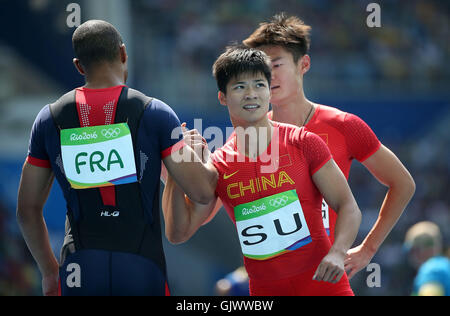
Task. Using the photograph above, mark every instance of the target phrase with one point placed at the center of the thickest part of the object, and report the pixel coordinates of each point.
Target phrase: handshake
(197, 142)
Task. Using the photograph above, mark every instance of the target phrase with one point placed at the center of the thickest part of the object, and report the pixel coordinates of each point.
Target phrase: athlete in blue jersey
(424, 241)
(104, 143)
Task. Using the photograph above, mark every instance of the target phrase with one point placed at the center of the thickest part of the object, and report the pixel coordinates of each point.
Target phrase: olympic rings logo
(111, 133)
(279, 201)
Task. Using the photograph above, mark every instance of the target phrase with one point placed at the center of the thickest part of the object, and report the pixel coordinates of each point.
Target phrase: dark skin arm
(34, 188)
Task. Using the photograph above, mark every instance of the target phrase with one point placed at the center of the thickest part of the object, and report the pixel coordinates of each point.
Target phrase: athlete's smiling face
(247, 98)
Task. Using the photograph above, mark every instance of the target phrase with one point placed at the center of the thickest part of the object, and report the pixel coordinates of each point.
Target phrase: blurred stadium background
(396, 78)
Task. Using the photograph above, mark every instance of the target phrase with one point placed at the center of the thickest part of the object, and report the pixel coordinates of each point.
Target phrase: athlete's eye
(260, 85)
(277, 65)
(238, 87)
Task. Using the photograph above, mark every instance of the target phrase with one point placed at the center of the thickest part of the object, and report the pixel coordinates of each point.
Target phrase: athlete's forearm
(34, 188)
(197, 179)
(36, 237)
(394, 204)
(183, 217)
(389, 171)
(347, 226)
(175, 210)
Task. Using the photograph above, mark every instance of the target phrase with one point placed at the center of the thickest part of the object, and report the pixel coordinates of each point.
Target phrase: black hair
(237, 60)
(286, 31)
(96, 41)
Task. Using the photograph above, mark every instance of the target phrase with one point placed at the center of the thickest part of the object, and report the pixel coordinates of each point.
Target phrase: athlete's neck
(296, 111)
(253, 139)
(105, 76)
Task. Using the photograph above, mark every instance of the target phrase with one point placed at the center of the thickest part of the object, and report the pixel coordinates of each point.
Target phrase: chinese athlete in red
(286, 40)
(274, 194)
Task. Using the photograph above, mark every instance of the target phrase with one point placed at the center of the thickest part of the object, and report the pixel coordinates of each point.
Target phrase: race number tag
(98, 156)
(326, 216)
(271, 226)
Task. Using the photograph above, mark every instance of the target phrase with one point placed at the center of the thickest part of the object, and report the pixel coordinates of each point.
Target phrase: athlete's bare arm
(194, 177)
(182, 216)
(34, 189)
(332, 184)
(216, 208)
(388, 170)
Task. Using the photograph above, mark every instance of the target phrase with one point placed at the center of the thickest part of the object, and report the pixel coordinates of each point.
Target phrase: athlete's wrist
(369, 248)
(51, 269)
(338, 251)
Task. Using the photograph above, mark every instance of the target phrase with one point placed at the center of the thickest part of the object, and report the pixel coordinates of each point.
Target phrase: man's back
(104, 143)
(114, 220)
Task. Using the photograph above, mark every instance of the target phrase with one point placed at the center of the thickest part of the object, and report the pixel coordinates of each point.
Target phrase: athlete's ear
(123, 54)
(78, 66)
(304, 64)
(222, 98)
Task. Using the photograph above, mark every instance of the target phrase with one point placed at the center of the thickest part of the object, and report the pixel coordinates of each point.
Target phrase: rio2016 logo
(254, 209)
(83, 136)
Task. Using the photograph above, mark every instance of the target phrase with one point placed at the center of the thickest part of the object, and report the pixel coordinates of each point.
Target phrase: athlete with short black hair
(272, 177)
(286, 39)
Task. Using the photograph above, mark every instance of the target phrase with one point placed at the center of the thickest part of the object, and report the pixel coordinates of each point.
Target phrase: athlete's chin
(280, 102)
(276, 100)
(250, 120)
(276, 103)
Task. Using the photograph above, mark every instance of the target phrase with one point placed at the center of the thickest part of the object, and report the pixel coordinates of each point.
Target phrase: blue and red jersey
(137, 265)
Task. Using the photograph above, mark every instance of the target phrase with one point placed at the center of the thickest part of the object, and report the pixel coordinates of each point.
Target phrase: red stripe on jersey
(59, 287)
(169, 151)
(167, 290)
(38, 162)
(98, 107)
(108, 195)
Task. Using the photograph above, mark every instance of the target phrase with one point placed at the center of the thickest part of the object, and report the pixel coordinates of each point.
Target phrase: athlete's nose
(251, 94)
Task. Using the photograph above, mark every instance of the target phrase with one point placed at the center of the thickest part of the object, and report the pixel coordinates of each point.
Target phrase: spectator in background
(233, 284)
(424, 241)
(17, 273)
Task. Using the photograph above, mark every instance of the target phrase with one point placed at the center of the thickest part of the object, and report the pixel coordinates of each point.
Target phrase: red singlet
(348, 137)
(276, 208)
